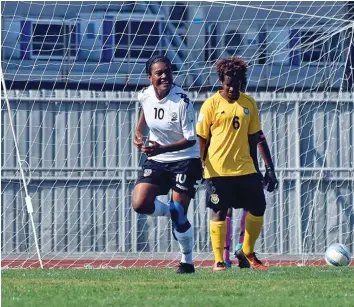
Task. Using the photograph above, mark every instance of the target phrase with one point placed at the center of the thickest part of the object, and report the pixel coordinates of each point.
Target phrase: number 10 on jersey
(159, 113)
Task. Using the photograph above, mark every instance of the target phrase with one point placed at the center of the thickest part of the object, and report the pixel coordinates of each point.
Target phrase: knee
(138, 206)
(142, 204)
(218, 215)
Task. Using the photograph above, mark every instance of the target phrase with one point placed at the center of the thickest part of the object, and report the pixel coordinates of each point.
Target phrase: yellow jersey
(226, 127)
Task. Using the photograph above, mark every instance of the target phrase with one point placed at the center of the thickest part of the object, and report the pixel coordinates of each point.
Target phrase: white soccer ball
(338, 255)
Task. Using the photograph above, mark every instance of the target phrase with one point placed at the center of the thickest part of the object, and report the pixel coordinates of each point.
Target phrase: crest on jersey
(147, 172)
(173, 116)
(214, 198)
(246, 111)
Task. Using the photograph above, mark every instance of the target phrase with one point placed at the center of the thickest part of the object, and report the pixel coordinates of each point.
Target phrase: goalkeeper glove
(270, 179)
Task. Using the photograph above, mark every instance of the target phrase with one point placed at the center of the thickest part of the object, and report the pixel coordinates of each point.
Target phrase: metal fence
(80, 165)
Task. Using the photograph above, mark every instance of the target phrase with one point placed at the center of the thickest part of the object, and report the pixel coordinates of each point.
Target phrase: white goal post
(70, 73)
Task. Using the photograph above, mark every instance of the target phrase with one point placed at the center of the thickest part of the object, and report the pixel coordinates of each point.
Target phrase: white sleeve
(140, 93)
(188, 121)
(143, 95)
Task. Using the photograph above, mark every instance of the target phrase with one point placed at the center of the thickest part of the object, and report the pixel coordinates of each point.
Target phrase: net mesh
(71, 72)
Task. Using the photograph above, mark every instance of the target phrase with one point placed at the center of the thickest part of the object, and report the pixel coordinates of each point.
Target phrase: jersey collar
(219, 93)
(163, 100)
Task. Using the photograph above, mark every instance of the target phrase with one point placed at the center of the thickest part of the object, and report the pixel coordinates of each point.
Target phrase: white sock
(161, 209)
(185, 241)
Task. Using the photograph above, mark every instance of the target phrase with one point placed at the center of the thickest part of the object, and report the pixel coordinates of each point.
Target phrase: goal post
(71, 72)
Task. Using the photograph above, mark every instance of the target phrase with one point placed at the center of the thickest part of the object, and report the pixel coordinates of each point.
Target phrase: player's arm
(203, 129)
(270, 178)
(256, 136)
(203, 148)
(138, 136)
(155, 148)
(252, 140)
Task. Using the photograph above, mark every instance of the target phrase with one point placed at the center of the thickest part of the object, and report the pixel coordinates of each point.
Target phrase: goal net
(70, 73)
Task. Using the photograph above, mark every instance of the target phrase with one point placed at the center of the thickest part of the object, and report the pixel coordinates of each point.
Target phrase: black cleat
(185, 268)
(219, 267)
(242, 260)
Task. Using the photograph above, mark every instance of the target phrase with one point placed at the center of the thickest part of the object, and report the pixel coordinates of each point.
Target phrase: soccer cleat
(228, 264)
(242, 260)
(185, 268)
(255, 263)
(219, 267)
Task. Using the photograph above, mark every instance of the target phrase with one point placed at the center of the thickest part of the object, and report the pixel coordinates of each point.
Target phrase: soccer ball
(338, 255)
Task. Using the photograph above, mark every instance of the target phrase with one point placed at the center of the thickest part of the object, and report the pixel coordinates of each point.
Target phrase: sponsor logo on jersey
(181, 187)
(214, 198)
(147, 172)
(173, 116)
(246, 111)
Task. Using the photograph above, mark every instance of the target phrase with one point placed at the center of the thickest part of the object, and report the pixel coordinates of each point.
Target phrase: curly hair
(233, 67)
(156, 59)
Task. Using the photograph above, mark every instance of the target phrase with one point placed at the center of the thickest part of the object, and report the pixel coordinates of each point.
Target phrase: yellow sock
(253, 227)
(218, 236)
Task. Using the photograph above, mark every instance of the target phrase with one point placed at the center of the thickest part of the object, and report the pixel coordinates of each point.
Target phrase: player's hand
(270, 180)
(138, 140)
(153, 149)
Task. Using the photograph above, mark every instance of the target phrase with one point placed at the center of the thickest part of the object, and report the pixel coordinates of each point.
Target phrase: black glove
(270, 180)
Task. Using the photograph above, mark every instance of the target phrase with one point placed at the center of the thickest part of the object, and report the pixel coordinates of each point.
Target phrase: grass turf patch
(287, 286)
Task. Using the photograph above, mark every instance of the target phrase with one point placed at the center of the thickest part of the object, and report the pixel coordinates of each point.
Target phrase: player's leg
(184, 178)
(218, 236)
(254, 219)
(242, 230)
(182, 230)
(242, 260)
(228, 239)
(150, 184)
(217, 200)
(144, 200)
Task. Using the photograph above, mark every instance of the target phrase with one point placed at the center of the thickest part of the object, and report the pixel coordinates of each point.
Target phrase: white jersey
(170, 120)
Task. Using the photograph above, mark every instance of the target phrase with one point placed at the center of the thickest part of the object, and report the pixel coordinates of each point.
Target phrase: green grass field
(286, 286)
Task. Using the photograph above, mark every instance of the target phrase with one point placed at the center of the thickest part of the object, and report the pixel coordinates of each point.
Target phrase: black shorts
(180, 176)
(236, 192)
